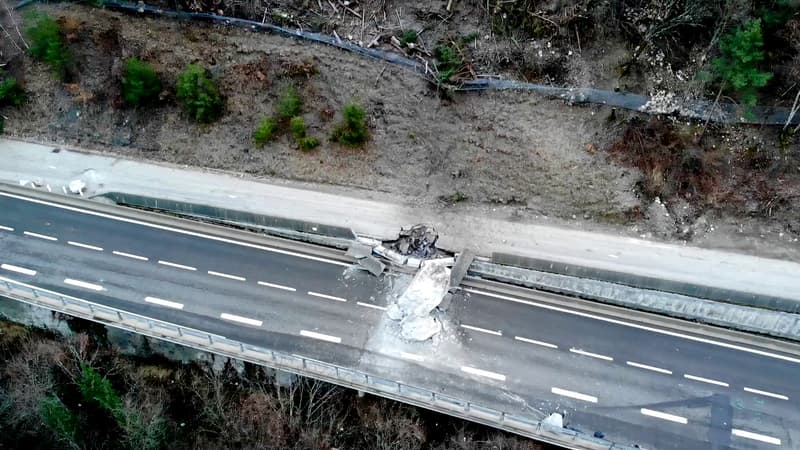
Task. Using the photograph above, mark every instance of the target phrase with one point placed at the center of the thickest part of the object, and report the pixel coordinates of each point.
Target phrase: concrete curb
(776, 324)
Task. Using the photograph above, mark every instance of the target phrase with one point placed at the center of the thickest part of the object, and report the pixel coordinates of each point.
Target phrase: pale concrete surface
(24, 161)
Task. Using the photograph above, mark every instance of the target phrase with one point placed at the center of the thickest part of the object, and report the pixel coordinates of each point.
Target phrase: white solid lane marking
(766, 393)
(329, 297)
(756, 436)
(591, 355)
(277, 286)
(483, 373)
(638, 327)
(6, 228)
(162, 302)
(18, 269)
(664, 416)
(225, 275)
(531, 341)
(240, 319)
(177, 266)
(705, 380)
(369, 305)
(412, 356)
(651, 368)
(86, 246)
(40, 236)
(320, 336)
(175, 230)
(84, 284)
(482, 330)
(573, 394)
(130, 255)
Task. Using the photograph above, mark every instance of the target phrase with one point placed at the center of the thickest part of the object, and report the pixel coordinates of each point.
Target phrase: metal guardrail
(300, 365)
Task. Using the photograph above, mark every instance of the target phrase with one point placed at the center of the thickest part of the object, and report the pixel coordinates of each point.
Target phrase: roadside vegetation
(140, 83)
(199, 95)
(76, 393)
(352, 130)
(47, 44)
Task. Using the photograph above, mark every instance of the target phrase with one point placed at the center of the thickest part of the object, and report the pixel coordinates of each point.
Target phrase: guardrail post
(180, 332)
(399, 388)
(304, 363)
(91, 308)
(63, 301)
(466, 407)
(35, 294)
(210, 340)
(119, 316)
(8, 285)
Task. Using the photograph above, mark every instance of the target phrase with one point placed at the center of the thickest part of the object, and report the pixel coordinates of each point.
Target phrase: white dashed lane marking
(162, 302)
(320, 336)
(705, 380)
(277, 286)
(240, 319)
(18, 269)
(756, 437)
(664, 416)
(766, 393)
(130, 255)
(86, 246)
(535, 342)
(412, 356)
(327, 297)
(650, 368)
(225, 275)
(573, 394)
(482, 330)
(483, 373)
(4, 228)
(84, 284)
(370, 305)
(175, 265)
(40, 236)
(578, 351)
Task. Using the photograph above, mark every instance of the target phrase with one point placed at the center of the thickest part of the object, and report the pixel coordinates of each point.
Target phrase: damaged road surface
(513, 350)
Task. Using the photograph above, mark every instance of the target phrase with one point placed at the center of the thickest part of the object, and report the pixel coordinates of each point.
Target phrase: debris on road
(77, 187)
(415, 306)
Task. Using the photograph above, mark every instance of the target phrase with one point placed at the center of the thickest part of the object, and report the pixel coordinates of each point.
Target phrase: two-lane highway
(519, 351)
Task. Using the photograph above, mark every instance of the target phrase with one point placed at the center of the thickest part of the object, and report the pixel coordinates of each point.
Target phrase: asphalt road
(530, 352)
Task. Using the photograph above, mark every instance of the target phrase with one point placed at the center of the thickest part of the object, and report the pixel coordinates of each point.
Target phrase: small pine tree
(265, 131)
(140, 83)
(47, 44)
(199, 94)
(352, 131)
(289, 105)
(738, 65)
(11, 93)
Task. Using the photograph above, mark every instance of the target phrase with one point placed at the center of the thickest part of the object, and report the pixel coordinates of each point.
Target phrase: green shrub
(298, 127)
(11, 93)
(265, 131)
(140, 83)
(58, 418)
(352, 131)
(448, 61)
(738, 65)
(97, 388)
(199, 94)
(289, 105)
(47, 44)
(308, 143)
(408, 37)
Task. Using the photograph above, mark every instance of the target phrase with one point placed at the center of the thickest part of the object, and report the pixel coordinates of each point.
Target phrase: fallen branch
(795, 108)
